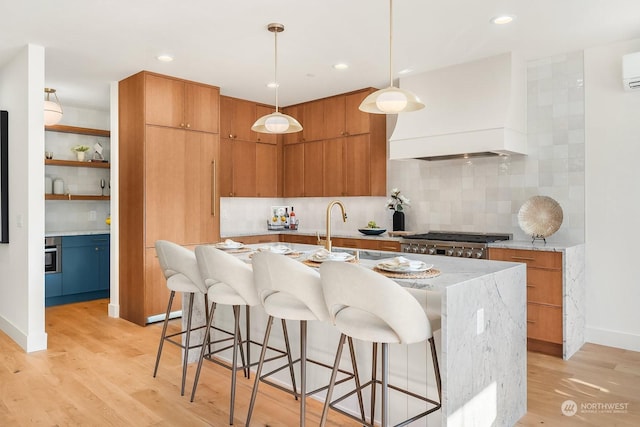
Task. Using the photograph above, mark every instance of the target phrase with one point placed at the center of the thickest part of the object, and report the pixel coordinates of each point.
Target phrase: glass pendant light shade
(52, 109)
(276, 123)
(391, 100)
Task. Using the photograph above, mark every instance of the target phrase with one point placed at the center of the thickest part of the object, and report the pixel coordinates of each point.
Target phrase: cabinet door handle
(522, 258)
(213, 188)
(181, 125)
(188, 125)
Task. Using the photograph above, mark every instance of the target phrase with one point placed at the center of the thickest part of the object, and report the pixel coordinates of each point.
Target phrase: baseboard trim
(114, 310)
(613, 338)
(29, 343)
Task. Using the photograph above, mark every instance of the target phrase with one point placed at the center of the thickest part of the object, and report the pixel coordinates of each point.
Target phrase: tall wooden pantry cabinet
(169, 157)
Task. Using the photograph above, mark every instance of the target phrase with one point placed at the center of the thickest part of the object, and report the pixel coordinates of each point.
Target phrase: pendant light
(276, 122)
(391, 100)
(52, 109)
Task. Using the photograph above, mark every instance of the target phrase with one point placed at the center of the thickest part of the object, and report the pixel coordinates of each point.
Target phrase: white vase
(80, 155)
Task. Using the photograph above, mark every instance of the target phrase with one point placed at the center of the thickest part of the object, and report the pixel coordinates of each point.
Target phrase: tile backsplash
(485, 194)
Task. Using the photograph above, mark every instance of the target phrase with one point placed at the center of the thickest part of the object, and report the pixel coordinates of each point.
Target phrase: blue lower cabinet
(52, 285)
(85, 270)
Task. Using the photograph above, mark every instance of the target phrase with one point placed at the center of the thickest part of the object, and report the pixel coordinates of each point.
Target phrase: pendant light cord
(390, 43)
(275, 33)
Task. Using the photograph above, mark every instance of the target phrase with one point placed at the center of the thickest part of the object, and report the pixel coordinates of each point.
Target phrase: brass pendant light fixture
(52, 109)
(276, 122)
(391, 100)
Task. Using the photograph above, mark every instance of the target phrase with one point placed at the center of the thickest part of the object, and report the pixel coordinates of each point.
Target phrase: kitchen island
(481, 343)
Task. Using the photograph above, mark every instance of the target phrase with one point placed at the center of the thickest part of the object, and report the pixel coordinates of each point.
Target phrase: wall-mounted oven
(52, 254)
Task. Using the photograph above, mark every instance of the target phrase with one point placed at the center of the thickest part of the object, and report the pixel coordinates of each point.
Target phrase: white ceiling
(225, 43)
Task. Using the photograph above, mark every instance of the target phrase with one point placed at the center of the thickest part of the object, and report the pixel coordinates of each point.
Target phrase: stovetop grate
(449, 236)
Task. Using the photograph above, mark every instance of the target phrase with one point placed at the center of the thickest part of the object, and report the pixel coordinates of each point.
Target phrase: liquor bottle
(292, 220)
(286, 216)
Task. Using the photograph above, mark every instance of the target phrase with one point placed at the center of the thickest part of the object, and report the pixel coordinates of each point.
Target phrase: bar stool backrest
(349, 286)
(179, 267)
(218, 266)
(277, 273)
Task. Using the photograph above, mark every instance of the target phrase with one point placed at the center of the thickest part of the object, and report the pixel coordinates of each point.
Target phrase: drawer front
(389, 245)
(250, 240)
(306, 240)
(544, 286)
(538, 259)
(544, 323)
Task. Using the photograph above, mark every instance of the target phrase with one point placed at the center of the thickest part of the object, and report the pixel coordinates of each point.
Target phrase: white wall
(612, 199)
(21, 261)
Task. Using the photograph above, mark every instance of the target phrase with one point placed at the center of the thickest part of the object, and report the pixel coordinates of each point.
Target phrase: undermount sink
(365, 253)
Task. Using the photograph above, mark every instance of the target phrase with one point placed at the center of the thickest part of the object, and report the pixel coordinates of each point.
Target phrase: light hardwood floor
(98, 372)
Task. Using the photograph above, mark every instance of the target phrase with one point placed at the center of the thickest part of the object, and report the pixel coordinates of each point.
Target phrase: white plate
(227, 246)
(335, 256)
(283, 250)
(404, 268)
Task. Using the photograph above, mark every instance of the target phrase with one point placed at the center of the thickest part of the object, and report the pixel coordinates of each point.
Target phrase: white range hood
(472, 109)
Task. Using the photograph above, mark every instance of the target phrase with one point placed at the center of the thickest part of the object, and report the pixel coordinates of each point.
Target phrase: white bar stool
(388, 314)
(290, 290)
(180, 268)
(230, 282)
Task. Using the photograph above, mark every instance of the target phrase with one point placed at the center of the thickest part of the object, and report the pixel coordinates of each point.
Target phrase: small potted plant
(396, 203)
(80, 151)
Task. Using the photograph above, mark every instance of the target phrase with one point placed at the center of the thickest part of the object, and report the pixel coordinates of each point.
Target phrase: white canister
(48, 185)
(58, 186)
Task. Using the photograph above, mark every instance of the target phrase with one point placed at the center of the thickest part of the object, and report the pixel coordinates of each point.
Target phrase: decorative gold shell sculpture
(540, 217)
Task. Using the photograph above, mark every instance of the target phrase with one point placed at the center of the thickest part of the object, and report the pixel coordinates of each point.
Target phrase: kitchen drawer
(250, 240)
(538, 259)
(544, 286)
(544, 323)
(343, 242)
(298, 238)
(389, 245)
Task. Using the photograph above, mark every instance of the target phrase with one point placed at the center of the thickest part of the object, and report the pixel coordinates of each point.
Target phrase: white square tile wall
(485, 194)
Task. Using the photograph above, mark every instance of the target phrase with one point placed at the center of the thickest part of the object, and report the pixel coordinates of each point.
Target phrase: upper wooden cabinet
(236, 118)
(353, 159)
(177, 103)
(297, 112)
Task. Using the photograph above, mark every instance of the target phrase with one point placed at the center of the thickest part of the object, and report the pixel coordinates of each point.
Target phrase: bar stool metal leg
(303, 371)
(287, 347)
(234, 363)
(374, 373)
(256, 382)
(332, 381)
(385, 385)
(164, 333)
(185, 354)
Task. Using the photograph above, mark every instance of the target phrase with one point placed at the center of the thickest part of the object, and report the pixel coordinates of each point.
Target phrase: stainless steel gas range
(451, 243)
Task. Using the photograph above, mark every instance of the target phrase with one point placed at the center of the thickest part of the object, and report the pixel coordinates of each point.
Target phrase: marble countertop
(538, 245)
(75, 233)
(453, 270)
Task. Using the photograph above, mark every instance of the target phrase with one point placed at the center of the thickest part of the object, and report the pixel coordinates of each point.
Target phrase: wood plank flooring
(98, 372)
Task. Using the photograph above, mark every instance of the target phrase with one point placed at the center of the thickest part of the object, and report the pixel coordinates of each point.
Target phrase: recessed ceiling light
(165, 58)
(272, 85)
(502, 19)
(340, 66)
(405, 71)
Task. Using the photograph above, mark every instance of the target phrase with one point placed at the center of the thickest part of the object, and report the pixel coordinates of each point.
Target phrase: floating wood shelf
(78, 130)
(74, 197)
(75, 163)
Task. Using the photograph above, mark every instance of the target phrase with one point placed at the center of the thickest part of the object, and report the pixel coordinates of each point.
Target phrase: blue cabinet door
(85, 263)
(52, 285)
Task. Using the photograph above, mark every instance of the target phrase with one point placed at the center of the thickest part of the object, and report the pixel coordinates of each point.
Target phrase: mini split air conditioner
(631, 71)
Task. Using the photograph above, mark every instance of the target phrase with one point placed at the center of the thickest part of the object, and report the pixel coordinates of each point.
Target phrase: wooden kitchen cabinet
(180, 104)
(544, 296)
(314, 169)
(267, 166)
(354, 155)
(293, 161)
(297, 112)
(236, 118)
(169, 185)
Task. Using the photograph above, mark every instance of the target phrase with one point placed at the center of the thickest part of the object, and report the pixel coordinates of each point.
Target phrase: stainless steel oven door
(52, 255)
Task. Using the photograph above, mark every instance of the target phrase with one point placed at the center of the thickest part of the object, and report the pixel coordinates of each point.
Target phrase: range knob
(449, 252)
(459, 252)
(432, 250)
(468, 253)
(423, 250)
(479, 253)
(416, 248)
